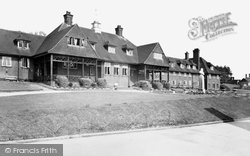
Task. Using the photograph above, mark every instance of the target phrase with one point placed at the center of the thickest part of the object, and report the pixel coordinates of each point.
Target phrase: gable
(63, 47)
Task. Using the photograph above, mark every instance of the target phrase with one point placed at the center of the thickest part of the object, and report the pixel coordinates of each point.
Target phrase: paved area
(227, 139)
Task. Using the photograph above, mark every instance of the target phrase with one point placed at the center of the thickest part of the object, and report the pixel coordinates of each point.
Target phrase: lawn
(7, 86)
(57, 114)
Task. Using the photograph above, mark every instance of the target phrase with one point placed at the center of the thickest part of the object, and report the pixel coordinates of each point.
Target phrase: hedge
(157, 85)
(145, 85)
(85, 82)
(101, 82)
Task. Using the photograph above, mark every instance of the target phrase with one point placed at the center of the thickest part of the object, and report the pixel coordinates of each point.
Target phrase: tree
(226, 73)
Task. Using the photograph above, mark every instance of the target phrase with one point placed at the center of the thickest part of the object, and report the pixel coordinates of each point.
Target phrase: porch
(153, 73)
(48, 67)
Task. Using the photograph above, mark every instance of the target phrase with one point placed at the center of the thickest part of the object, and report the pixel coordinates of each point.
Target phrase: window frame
(158, 56)
(107, 68)
(6, 61)
(25, 62)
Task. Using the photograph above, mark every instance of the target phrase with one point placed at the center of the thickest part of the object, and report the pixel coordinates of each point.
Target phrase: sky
(144, 22)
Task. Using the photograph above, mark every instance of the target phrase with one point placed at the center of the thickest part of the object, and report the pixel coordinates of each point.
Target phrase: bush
(62, 81)
(101, 82)
(167, 85)
(145, 85)
(157, 85)
(75, 85)
(224, 87)
(85, 82)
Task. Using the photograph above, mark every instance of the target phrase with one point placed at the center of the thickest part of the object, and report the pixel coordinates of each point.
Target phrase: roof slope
(177, 68)
(100, 39)
(8, 45)
(206, 65)
(145, 54)
(53, 38)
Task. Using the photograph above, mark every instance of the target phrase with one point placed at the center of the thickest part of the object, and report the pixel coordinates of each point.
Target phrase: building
(245, 82)
(74, 51)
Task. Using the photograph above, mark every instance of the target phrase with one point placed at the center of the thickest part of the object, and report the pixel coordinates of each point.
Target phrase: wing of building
(75, 52)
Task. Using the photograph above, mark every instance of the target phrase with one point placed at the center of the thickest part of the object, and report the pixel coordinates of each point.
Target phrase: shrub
(224, 87)
(62, 81)
(101, 82)
(70, 84)
(157, 85)
(167, 85)
(85, 82)
(145, 85)
(75, 85)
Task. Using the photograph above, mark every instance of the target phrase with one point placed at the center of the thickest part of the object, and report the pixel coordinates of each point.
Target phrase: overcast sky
(144, 22)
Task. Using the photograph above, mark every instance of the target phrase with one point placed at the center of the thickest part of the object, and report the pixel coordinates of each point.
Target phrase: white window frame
(158, 56)
(116, 72)
(111, 50)
(188, 66)
(194, 68)
(27, 63)
(212, 68)
(21, 43)
(129, 52)
(107, 68)
(6, 61)
(124, 70)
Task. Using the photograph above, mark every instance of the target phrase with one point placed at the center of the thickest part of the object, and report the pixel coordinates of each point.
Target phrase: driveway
(227, 139)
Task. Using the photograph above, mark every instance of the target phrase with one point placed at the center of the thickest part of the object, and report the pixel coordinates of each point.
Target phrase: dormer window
(111, 50)
(23, 44)
(181, 65)
(76, 42)
(129, 52)
(212, 68)
(158, 56)
(188, 66)
(110, 47)
(194, 67)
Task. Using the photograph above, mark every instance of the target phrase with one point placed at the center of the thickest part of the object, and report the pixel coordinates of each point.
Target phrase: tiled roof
(113, 40)
(145, 54)
(177, 68)
(206, 66)
(8, 43)
(53, 38)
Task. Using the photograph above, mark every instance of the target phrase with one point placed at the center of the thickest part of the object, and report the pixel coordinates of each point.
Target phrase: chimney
(118, 30)
(68, 18)
(96, 27)
(196, 58)
(186, 56)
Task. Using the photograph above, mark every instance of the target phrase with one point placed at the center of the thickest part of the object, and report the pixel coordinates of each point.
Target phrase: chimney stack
(68, 18)
(118, 30)
(186, 56)
(96, 27)
(196, 57)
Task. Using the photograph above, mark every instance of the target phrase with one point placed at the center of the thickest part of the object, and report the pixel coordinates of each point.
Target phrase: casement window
(71, 65)
(116, 69)
(111, 49)
(129, 52)
(6, 61)
(189, 75)
(158, 56)
(107, 68)
(76, 41)
(124, 70)
(23, 44)
(172, 65)
(25, 62)
(194, 67)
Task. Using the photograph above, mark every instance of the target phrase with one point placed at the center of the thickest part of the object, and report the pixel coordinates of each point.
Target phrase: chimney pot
(186, 56)
(196, 57)
(68, 18)
(118, 30)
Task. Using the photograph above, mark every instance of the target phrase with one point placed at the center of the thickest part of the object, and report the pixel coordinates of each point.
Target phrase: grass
(48, 115)
(7, 86)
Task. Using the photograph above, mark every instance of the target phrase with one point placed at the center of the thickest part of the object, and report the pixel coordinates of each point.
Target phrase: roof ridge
(18, 31)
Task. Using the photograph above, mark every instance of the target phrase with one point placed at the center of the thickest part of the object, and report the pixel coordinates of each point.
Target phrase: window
(111, 50)
(25, 62)
(179, 73)
(107, 68)
(84, 43)
(116, 69)
(188, 66)
(185, 75)
(190, 82)
(71, 65)
(189, 75)
(194, 67)
(23, 44)
(71, 41)
(209, 76)
(77, 41)
(214, 86)
(91, 70)
(174, 74)
(174, 82)
(181, 65)
(6, 61)
(129, 52)
(124, 70)
(211, 68)
(158, 56)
